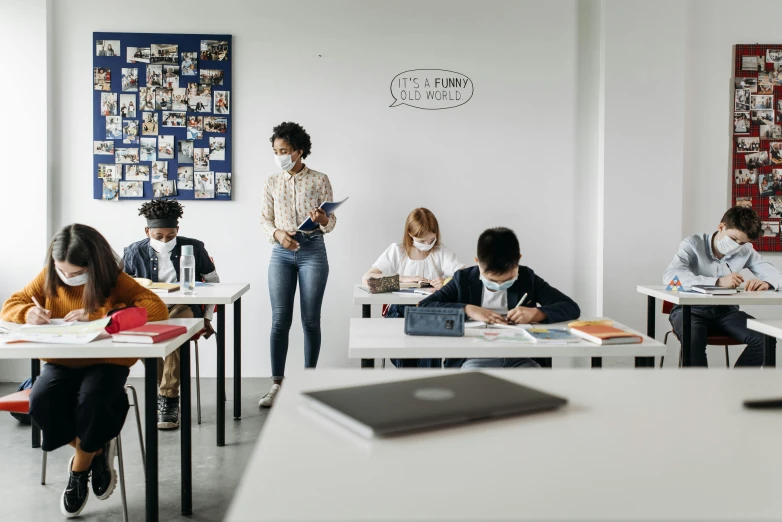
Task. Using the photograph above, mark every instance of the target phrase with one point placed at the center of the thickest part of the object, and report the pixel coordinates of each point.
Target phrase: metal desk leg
(367, 363)
(650, 316)
(597, 362)
(238, 359)
(150, 428)
(769, 352)
(686, 336)
(220, 397)
(185, 429)
(35, 371)
(644, 362)
(366, 311)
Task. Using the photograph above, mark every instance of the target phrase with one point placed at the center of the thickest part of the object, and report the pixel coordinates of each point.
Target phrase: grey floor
(216, 471)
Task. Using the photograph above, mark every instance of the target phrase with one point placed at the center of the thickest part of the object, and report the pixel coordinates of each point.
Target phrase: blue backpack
(24, 418)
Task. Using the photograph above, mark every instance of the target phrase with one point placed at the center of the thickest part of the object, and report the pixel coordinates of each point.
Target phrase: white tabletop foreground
(212, 293)
(103, 348)
(363, 297)
(767, 297)
(371, 338)
(629, 446)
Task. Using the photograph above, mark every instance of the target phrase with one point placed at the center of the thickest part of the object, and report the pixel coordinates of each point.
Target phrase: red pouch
(126, 319)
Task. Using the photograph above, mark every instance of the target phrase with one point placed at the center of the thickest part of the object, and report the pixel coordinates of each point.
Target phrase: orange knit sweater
(126, 293)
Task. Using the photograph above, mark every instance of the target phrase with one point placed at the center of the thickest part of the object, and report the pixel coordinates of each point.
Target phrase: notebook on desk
(713, 290)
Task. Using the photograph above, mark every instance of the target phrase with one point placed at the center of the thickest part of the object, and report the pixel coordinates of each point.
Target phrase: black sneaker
(104, 476)
(167, 413)
(76, 493)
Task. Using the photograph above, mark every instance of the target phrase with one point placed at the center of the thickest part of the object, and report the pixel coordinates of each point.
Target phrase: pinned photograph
(204, 185)
(766, 185)
(126, 156)
(215, 50)
(762, 101)
(774, 55)
(747, 144)
(164, 99)
(127, 105)
(223, 182)
(216, 149)
(103, 148)
(154, 76)
(741, 100)
(740, 123)
(775, 207)
(200, 159)
(771, 132)
(164, 189)
(747, 83)
(130, 79)
(174, 119)
(148, 149)
(137, 172)
(101, 78)
(776, 76)
(764, 117)
(222, 102)
(195, 127)
(170, 76)
(138, 54)
(159, 171)
(108, 104)
(149, 123)
(179, 97)
(769, 228)
(146, 98)
(745, 176)
(775, 150)
(110, 190)
(165, 147)
(744, 202)
(107, 48)
(199, 104)
(185, 151)
(130, 132)
(164, 53)
(217, 124)
(131, 189)
(197, 89)
(211, 76)
(109, 171)
(765, 83)
(184, 177)
(113, 128)
(759, 159)
(753, 63)
(189, 64)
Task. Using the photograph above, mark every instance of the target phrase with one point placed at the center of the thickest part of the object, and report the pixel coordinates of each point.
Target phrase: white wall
(24, 146)
(504, 158)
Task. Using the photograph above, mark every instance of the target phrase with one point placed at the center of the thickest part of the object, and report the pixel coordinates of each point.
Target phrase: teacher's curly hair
(162, 209)
(295, 135)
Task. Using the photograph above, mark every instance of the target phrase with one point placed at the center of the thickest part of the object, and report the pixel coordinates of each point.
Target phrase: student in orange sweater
(81, 402)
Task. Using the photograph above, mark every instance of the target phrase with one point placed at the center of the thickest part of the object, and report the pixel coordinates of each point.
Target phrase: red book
(149, 334)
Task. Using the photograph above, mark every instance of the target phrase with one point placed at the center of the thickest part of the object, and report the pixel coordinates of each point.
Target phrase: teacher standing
(291, 197)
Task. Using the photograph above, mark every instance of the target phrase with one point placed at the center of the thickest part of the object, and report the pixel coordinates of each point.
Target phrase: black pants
(89, 403)
(719, 320)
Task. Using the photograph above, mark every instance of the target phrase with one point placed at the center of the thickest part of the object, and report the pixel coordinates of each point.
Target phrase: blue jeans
(395, 312)
(499, 362)
(310, 265)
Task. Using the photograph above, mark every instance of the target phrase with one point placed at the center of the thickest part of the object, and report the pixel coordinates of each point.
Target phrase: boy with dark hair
(157, 258)
(491, 291)
(717, 259)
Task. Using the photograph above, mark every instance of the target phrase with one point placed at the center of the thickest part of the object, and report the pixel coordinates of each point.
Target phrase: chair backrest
(667, 307)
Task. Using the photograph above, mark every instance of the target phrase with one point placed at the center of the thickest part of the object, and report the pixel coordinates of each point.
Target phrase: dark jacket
(141, 261)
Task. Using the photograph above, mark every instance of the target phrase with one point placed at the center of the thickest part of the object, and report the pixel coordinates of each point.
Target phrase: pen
(521, 301)
(729, 269)
(35, 301)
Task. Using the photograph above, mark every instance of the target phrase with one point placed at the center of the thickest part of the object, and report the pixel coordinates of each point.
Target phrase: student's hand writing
(319, 216)
(77, 315)
(286, 240)
(37, 315)
(413, 279)
(756, 285)
(208, 330)
(730, 281)
(476, 313)
(437, 283)
(525, 315)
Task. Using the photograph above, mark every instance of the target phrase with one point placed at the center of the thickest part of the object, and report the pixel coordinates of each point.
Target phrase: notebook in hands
(398, 407)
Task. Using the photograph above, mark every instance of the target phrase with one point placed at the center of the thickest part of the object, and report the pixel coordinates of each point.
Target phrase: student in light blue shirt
(716, 259)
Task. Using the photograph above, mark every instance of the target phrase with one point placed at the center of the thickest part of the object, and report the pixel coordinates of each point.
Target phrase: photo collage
(756, 169)
(162, 122)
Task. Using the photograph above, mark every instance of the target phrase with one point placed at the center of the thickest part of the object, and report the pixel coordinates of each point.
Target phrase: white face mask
(79, 280)
(727, 245)
(424, 247)
(284, 162)
(162, 248)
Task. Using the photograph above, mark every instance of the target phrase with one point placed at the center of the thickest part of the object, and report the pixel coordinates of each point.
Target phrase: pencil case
(438, 322)
(382, 285)
(126, 319)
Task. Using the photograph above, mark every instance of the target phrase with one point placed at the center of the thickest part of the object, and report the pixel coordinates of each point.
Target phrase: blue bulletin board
(162, 109)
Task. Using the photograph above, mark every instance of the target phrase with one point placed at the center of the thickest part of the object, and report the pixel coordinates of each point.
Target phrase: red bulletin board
(754, 141)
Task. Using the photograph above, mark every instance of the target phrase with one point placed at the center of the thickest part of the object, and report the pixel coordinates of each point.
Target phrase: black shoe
(104, 476)
(76, 493)
(167, 413)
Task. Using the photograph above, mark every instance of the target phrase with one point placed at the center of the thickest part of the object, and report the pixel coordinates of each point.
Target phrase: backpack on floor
(24, 418)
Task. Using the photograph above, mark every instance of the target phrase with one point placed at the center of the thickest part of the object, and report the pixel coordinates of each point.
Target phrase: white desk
(150, 353)
(372, 338)
(366, 300)
(220, 294)
(630, 446)
(688, 300)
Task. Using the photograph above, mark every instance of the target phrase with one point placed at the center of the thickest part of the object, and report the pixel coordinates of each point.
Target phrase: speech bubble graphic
(431, 89)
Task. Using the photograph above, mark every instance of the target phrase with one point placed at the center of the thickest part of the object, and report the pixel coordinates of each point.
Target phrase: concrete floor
(216, 471)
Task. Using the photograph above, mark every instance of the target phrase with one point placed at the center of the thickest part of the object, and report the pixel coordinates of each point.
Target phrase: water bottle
(187, 270)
